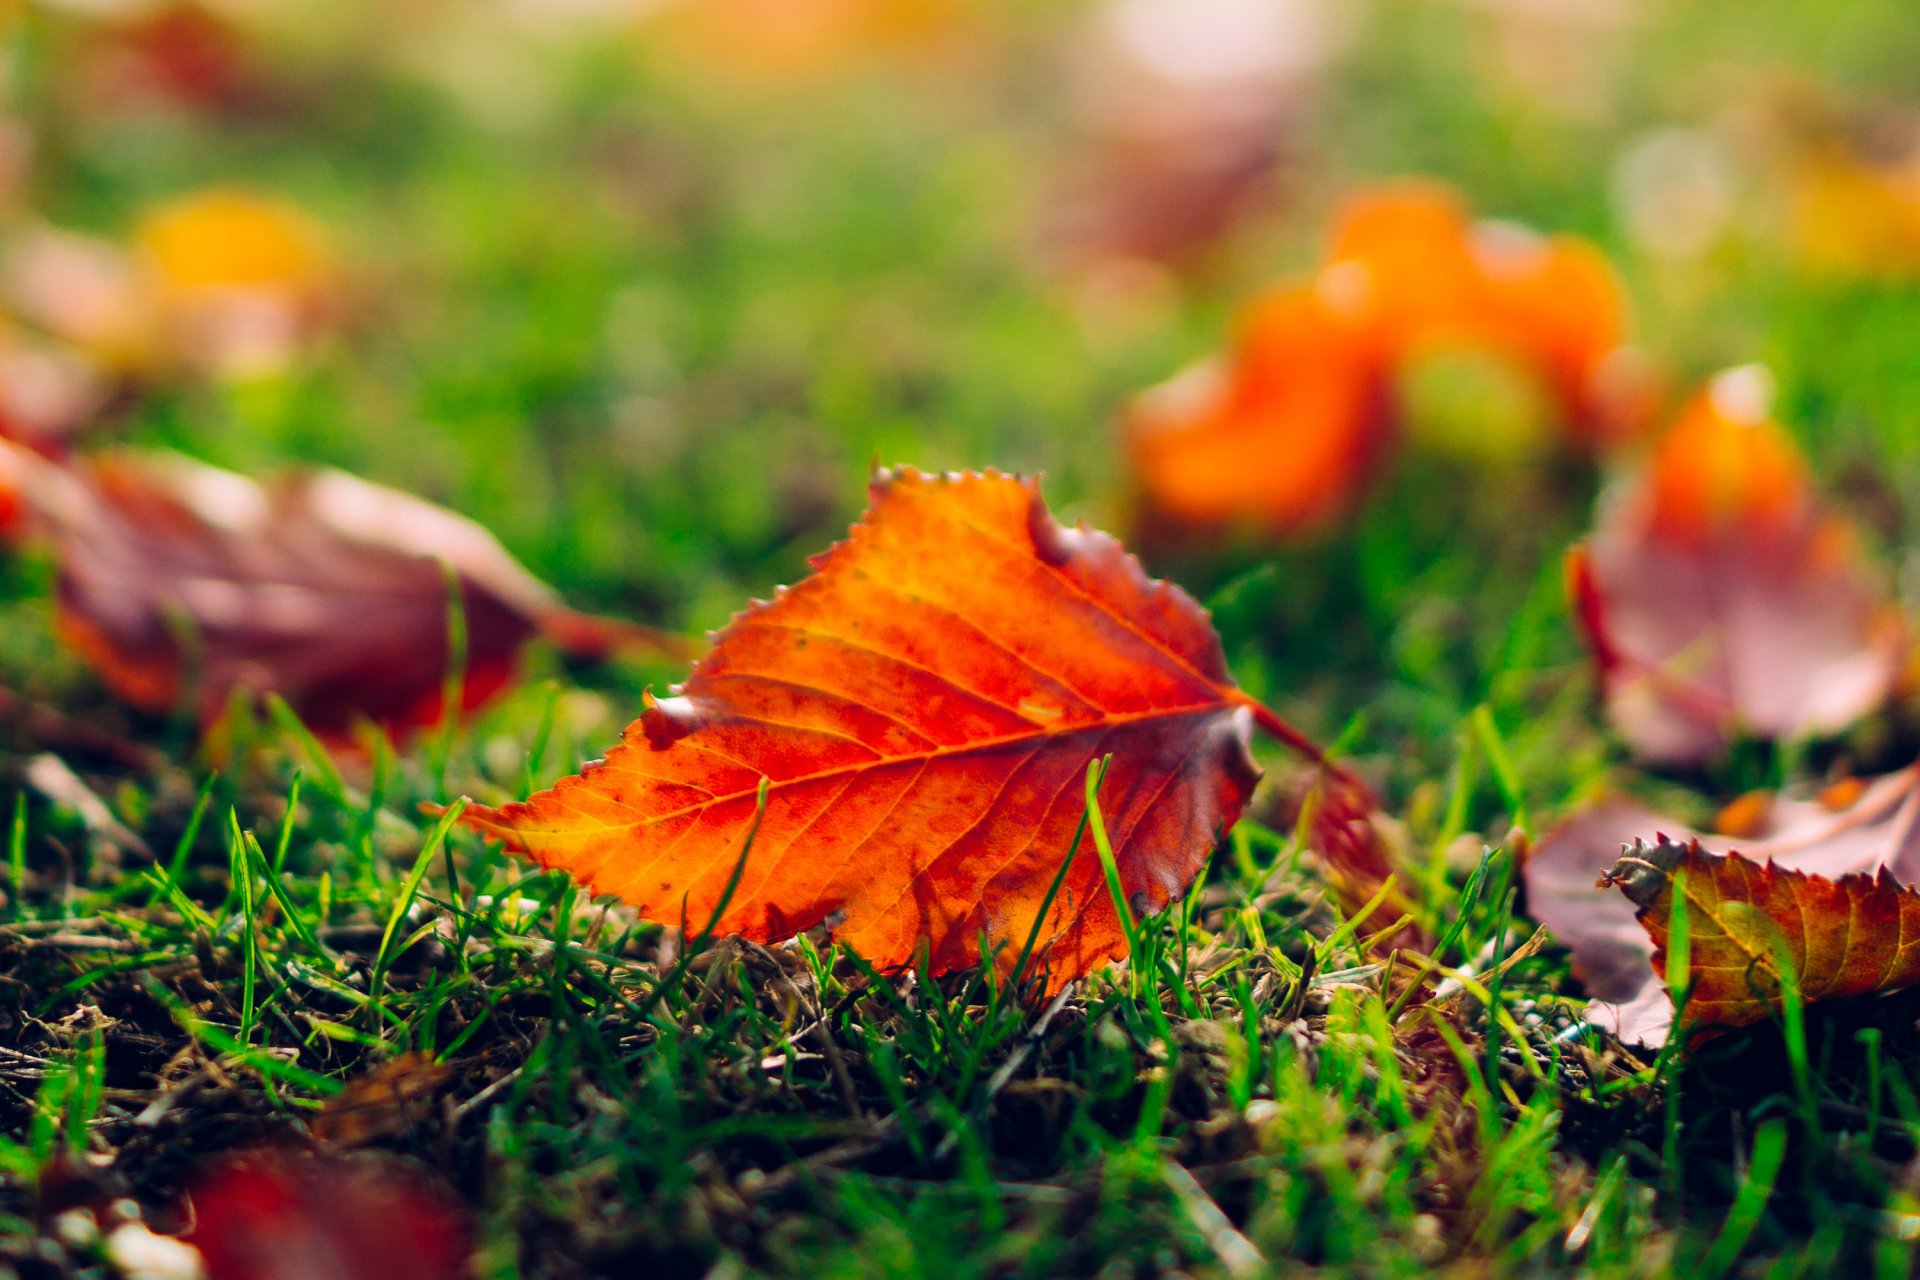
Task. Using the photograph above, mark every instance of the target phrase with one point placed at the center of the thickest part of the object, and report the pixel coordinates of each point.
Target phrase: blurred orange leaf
(182, 581)
(1285, 431)
(219, 280)
(1756, 927)
(796, 41)
(1719, 598)
(1441, 280)
(922, 712)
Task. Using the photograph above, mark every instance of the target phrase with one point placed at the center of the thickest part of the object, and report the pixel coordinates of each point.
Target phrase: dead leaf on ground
(1286, 429)
(220, 280)
(782, 43)
(1184, 111)
(1720, 598)
(391, 1099)
(1284, 433)
(1754, 927)
(1854, 828)
(183, 582)
(355, 1218)
(923, 710)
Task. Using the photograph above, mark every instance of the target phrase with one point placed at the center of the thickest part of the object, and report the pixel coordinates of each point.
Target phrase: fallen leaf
(218, 280)
(181, 581)
(1873, 827)
(240, 280)
(48, 393)
(1719, 598)
(1182, 113)
(922, 711)
(1441, 280)
(1287, 428)
(271, 1216)
(391, 1099)
(170, 55)
(82, 291)
(1842, 174)
(1753, 926)
(1284, 433)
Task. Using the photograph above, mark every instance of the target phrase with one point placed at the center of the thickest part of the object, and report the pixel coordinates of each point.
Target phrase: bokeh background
(645, 286)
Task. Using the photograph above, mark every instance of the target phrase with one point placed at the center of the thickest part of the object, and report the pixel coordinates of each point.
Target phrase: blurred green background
(645, 288)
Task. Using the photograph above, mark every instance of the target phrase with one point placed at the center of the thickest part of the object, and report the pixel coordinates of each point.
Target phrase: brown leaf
(922, 712)
(1753, 926)
(1875, 827)
(391, 1099)
(1720, 598)
(179, 581)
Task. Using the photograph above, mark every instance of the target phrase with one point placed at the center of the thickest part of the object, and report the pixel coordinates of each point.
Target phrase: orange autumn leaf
(1842, 173)
(1719, 597)
(1285, 432)
(1753, 927)
(238, 281)
(1286, 429)
(179, 581)
(1441, 280)
(222, 280)
(229, 239)
(922, 711)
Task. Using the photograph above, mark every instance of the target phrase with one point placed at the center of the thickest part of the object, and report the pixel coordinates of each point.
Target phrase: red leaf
(1719, 598)
(1855, 829)
(177, 579)
(923, 710)
(267, 1216)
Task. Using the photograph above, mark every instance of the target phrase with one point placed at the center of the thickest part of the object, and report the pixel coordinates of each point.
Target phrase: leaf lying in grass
(1286, 430)
(221, 280)
(1853, 828)
(267, 1216)
(923, 710)
(1184, 111)
(179, 580)
(785, 42)
(1719, 597)
(239, 281)
(1285, 433)
(1754, 927)
(1442, 280)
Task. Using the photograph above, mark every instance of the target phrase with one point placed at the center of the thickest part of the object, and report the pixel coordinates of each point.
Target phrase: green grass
(653, 335)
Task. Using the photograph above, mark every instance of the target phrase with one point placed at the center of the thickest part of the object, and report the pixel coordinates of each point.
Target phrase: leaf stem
(1274, 727)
